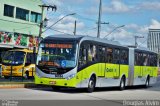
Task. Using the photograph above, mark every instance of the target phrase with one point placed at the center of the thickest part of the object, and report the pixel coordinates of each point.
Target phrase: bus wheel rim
(122, 84)
(91, 84)
(147, 83)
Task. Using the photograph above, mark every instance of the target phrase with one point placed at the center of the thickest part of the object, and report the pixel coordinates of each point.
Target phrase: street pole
(42, 18)
(99, 19)
(41, 23)
(75, 27)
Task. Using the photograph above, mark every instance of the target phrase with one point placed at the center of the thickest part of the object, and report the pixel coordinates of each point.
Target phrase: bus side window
(116, 56)
(145, 60)
(101, 54)
(138, 59)
(135, 59)
(30, 59)
(151, 62)
(109, 55)
(155, 60)
(124, 57)
(92, 55)
(82, 56)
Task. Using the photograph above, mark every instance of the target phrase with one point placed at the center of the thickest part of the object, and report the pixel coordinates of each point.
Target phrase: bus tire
(122, 84)
(147, 84)
(91, 84)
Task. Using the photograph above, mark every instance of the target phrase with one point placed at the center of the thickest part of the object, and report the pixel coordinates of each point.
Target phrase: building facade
(19, 23)
(153, 42)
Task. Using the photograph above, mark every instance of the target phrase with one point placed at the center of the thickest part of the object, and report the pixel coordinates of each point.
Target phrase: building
(153, 42)
(19, 23)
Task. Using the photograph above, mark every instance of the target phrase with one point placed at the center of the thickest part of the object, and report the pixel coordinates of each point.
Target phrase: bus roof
(23, 50)
(81, 38)
(144, 50)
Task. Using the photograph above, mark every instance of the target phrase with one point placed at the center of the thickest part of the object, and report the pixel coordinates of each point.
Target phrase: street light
(114, 30)
(58, 21)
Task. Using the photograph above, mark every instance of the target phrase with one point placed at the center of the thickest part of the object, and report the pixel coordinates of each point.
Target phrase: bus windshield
(13, 58)
(58, 55)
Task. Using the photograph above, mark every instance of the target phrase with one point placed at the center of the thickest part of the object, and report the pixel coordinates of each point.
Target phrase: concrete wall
(22, 26)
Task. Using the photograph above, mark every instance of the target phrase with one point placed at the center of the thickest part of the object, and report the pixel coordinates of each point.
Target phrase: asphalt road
(134, 93)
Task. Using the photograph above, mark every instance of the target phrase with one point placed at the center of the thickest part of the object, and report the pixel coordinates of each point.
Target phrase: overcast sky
(137, 16)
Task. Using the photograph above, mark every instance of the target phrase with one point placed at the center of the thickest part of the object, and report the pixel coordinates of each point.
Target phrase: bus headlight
(71, 76)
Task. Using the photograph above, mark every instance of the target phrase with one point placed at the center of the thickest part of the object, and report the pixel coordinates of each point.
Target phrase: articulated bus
(18, 63)
(88, 62)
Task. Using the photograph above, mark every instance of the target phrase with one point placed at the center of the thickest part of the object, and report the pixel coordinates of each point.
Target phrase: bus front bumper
(55, 81)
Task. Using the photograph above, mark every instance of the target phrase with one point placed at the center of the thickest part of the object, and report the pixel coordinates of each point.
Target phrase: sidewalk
(17, 85)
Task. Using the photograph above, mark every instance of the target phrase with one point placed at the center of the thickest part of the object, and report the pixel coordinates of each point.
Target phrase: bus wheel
(122, 84)
(6, 77)
(147, 84)
(91, 85)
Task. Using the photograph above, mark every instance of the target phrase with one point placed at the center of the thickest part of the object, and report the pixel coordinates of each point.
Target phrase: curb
(2, 86)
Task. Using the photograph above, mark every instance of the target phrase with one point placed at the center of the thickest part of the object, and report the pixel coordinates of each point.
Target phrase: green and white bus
(88, 62)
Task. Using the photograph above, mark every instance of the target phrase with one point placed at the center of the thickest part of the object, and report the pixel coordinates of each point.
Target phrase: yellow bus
(18, 63)
(88, 62)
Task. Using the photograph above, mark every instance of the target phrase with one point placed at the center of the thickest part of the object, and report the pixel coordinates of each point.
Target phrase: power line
(114, 30)
(86, 18)
(81, 17)
(59, 31)
(93, 28)
(142, 42)
(58, 21)
(137, 37)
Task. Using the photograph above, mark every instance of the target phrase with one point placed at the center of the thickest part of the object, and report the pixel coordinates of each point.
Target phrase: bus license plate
(52, 82)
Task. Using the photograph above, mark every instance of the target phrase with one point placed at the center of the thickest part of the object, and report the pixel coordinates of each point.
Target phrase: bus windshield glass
(58, 55)
(13, 58)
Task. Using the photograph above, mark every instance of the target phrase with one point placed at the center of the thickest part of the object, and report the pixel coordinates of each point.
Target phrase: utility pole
(99, 19)
(75, 27)
(137, 37)
(42, 21)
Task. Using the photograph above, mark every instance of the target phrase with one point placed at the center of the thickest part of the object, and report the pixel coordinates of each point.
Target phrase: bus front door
(116, 71)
